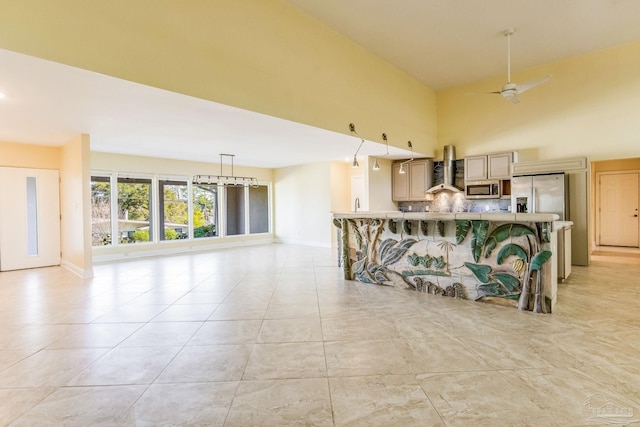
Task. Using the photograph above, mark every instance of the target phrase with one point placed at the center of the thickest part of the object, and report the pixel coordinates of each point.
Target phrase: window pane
(100, 211)
(174, 210)
(235, 210)
(259, 209)
(32, 216)
(205, 210)
(134, 210)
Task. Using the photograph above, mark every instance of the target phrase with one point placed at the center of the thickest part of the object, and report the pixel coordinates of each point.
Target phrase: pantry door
(619, 209)
(29, 218)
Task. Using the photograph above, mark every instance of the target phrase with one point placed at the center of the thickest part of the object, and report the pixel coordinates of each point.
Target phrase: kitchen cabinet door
(419, 178)
(400, 183)
(475, 168)
(499, 166)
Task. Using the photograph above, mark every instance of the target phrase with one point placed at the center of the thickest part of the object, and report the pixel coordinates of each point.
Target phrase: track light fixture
(376, 165)
(402, 171)
(355, 163)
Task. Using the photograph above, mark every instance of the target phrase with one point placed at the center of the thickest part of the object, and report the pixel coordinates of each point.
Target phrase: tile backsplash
(449, 202)
(456, 205)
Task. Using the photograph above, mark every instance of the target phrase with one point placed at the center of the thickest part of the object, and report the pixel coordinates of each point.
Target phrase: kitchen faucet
(356, 204)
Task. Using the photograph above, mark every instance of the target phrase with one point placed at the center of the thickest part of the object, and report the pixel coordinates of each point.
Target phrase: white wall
(303, 204)
(75, 206)
(340, 192)
(380, 187)
(152, 165)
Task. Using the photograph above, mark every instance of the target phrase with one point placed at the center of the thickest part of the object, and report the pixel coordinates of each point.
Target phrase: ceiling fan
(510, 90)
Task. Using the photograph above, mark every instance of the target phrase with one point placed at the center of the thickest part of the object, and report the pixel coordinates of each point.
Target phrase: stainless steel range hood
(448, 157)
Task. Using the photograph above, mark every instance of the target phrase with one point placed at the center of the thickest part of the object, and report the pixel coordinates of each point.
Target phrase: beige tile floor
(273, 336)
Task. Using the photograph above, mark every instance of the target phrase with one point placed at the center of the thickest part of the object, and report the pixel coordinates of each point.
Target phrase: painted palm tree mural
(526, 255)
(481, 260)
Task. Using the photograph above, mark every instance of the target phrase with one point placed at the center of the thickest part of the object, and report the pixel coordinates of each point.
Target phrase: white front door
(619, 209)
(29, 218)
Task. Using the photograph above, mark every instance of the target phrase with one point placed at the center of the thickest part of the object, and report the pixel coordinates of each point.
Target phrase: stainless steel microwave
(482, 190)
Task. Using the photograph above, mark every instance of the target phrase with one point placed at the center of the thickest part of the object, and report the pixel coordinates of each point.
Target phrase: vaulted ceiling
(453, 42)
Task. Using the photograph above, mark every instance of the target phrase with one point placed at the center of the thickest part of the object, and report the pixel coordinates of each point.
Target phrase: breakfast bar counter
(501, 258)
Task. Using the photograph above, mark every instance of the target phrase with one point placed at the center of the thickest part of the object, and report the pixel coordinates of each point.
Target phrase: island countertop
(433, 216)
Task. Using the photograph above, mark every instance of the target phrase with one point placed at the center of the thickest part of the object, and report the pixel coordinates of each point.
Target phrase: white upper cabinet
(475, 168)
(500, 166)
(491, 166)
(413, 184)
(400, 182)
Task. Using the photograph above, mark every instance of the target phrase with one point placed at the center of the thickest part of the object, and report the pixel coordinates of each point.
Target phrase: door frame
(597, 198)
(47, 216)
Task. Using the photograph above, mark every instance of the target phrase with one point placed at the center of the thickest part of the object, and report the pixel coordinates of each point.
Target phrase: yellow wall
(75, 206)
(260, 55)
(29, 156)
(589, 108)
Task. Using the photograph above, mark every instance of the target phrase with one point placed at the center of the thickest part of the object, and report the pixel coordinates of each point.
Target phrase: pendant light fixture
(226, 179)
(355, 163)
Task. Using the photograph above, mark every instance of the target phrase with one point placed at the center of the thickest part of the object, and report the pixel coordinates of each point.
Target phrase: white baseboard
(85, 274)
(304, 243)
(173, 250)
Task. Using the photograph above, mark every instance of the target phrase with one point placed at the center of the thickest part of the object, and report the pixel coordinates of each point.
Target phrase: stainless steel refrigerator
(541, 194)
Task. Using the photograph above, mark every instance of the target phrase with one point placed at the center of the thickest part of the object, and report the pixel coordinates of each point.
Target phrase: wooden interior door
(619, 209)
(29, 218)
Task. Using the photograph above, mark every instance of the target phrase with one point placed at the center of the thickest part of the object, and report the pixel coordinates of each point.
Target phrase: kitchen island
(501, 258)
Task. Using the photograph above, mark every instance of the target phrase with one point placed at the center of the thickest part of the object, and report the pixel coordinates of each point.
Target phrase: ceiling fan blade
(533, 83)
(493, 92)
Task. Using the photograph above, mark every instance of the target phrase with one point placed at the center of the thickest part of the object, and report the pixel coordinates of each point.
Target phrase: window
(205, 210)
(32, 216)
(100, 210)
(134, 210)
(235, 210)
(144, 208)
(174, 209)
(259, 209)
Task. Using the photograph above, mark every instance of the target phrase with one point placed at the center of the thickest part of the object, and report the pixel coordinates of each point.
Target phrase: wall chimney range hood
(448, 158)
